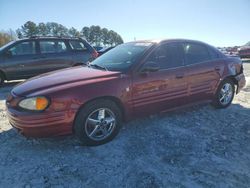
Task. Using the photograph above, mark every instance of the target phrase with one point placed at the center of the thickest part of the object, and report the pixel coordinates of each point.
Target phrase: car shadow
(200, 144)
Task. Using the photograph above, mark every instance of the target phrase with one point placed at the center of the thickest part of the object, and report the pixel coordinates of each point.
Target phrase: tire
(94, 120)
(219, 100)
(1, 79)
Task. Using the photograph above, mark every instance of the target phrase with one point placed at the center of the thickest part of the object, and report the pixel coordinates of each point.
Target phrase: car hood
(61, 77)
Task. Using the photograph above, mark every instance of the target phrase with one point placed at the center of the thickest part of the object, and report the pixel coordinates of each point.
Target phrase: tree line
(94, 34)
(6, 36)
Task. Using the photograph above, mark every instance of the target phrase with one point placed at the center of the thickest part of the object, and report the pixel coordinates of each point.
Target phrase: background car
(105, 50)
(244, 52)
(29, 57)
(97, 48)
(134, 79)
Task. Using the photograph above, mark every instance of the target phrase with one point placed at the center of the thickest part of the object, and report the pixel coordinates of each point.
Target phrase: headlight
(34, 103)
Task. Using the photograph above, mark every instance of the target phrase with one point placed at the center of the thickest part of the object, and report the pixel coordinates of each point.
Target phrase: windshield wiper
(98, 66)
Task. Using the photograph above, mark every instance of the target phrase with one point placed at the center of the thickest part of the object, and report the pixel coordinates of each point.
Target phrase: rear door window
(195, 53)
(77, 45)
(168, 56)
(50, 46)
(23, 48)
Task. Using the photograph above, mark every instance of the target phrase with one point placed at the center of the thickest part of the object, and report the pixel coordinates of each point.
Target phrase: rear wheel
(98, 122)
(225, 94)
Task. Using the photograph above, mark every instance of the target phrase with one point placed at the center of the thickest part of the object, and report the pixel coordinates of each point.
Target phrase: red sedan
(244, 52)
(131, 80)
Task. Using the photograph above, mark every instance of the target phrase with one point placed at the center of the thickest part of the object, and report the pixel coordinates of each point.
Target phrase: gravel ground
(194, 147)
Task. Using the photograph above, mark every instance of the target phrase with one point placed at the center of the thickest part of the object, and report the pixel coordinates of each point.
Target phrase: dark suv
(25, 58)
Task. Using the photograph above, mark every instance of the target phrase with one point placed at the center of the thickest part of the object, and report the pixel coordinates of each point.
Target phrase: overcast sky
(218, 22)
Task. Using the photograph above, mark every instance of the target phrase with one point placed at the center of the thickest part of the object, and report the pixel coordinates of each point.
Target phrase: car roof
(50, 37)
(158, 41)
(167, 40)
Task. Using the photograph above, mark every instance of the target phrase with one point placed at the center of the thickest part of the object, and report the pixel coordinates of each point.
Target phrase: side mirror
(150, 66)
(7, 53)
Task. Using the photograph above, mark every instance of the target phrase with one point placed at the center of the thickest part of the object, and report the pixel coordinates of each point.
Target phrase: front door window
(168, 56)
(23, 48)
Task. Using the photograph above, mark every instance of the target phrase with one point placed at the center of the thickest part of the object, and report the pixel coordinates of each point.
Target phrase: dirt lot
(195, 147)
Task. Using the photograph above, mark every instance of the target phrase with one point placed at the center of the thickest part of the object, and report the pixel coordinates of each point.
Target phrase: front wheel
(98, 122)
(225, 94)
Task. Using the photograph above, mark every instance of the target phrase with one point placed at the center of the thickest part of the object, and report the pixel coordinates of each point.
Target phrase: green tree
(62, 30)
(56, 29)
(114, 38)
(29, 29)
(42, 29)
(94, 34)
(98, 35)
(85, 33)
(91, 35)
(111, 37)
(73, 32)
(101, 36)
(104, 36)
(119, 39)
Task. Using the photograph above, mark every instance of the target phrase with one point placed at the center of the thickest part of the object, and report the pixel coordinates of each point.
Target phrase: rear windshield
(122, 57)
(80, 45)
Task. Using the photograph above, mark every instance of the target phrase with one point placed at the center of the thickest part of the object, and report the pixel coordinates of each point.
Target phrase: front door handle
(217, 68)
(179, 76)
(41, 57)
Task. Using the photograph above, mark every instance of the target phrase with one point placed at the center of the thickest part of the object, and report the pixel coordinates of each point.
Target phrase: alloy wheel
(100, 124)
(226, 94)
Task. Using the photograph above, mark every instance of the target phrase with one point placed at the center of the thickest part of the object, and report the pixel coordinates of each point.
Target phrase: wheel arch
(231, 77)
(234, 80)
(114, 99)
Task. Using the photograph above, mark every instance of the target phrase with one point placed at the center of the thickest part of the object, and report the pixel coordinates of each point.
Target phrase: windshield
(122, 57)
(6, 45)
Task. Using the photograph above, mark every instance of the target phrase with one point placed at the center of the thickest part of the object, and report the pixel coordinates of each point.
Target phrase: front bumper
(41, 124)
(241, 82)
